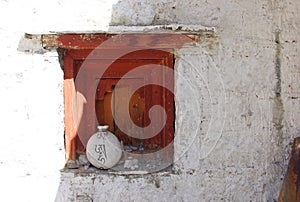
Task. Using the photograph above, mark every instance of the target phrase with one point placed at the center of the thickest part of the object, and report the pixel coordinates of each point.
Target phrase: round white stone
(103, 150)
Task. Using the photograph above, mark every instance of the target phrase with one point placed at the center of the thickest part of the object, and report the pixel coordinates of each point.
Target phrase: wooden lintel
(73, 41)
(91, 41)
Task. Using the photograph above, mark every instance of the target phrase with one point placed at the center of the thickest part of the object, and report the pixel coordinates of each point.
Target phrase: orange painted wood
(74, 41)
(105, 54)
(140, 102)
(125, 40)
(150, 95)
(69, 90)
(104, 112)
(136, 109)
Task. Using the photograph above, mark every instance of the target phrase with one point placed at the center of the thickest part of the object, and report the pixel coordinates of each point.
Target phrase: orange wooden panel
(106, 54)
(69, 90)
(104, 112)
(91, 41)
(140, 102)
(154, 95)
(74, 41)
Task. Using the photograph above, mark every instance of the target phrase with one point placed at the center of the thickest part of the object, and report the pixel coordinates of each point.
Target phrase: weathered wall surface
(242, 116)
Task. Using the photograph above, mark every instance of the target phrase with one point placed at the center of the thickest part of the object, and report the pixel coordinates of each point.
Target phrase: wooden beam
(92, 41)
(74, 41)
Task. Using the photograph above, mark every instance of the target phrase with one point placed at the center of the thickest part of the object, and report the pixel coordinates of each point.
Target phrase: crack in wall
(278, 62)
(278, 109)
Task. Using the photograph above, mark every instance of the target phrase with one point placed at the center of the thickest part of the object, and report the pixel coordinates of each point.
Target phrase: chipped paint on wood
(91, 41)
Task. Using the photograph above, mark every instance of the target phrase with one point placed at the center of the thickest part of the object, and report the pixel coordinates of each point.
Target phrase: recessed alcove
(94, 65)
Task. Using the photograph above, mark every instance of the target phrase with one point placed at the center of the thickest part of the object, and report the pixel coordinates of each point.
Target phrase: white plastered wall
(237, 96)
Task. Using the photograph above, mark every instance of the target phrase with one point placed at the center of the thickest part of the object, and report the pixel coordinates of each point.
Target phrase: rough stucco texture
(243, 115)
